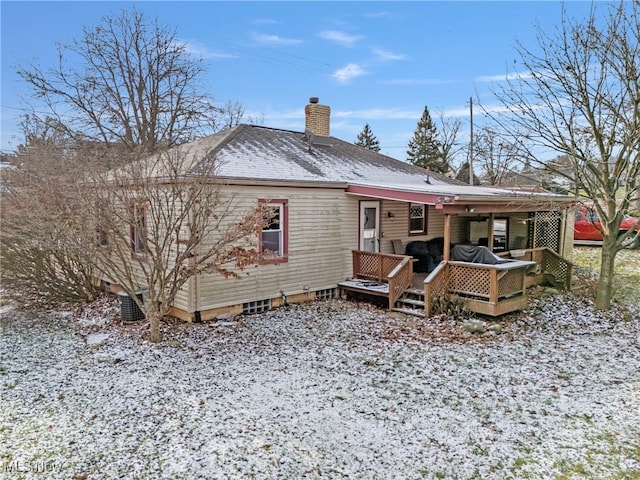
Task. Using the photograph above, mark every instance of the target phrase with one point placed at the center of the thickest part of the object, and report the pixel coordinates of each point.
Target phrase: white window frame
(423, 230)
(282, 232)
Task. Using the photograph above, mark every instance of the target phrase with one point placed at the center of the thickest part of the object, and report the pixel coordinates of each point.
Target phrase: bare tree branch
(579, 95)
(136, 85)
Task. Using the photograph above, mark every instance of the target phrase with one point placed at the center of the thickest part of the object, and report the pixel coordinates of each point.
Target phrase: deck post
(493, 286)
(355, 264)
(427, 300)
(447, 237)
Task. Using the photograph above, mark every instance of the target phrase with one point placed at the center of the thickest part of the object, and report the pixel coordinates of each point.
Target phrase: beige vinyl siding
(396, 227)
(436, 222)
(322, 231)
(182, 299)
(458, 231)
(121, 254)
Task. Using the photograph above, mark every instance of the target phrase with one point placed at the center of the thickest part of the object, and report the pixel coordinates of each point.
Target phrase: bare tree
(232, 114)
(495, 155)
(166, 219)
(136, 85)
(48, 240)
(450, 145)
(580, 96)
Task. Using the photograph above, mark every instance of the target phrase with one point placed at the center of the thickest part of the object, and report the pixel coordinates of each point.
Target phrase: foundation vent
(326, 294)
(259, 306)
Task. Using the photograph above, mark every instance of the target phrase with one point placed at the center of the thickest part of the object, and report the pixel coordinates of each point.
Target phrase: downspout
(285, 303)
(197, 317)
(196, 287)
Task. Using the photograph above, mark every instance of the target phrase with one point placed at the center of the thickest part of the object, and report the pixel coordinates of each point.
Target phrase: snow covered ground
(326, 390)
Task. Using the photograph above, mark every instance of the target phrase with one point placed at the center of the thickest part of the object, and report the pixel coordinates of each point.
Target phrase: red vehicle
(587, 226)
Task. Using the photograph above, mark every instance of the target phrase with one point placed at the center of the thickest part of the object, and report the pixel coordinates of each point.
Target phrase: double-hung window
(417, 219)
(138, 228)
(274, 235)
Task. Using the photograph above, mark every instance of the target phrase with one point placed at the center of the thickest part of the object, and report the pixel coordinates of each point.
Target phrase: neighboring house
(333, 198)
(537, 177)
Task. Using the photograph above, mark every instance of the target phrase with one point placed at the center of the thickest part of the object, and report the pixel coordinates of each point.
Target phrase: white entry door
(370, 226)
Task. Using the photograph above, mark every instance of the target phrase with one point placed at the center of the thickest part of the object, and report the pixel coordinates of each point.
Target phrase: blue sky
(371, 62)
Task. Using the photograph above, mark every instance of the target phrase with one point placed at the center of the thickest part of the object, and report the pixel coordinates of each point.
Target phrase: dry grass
(627, 281)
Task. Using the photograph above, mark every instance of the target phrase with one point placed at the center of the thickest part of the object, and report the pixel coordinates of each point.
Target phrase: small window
(138, 229)
(102, 239)
(100, 220)
(273, 238)
(417, 218)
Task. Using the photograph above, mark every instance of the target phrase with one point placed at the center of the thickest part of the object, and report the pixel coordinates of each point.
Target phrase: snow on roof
(253, 152)
(267, 154)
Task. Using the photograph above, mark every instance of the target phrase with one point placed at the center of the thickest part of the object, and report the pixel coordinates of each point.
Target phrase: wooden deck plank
(365, 286)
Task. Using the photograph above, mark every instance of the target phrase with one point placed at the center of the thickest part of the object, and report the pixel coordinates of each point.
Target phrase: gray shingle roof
(268, 154)
(249, 151)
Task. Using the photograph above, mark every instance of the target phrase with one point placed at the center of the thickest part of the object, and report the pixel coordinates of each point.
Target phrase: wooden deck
(486, 289)
(369, 287)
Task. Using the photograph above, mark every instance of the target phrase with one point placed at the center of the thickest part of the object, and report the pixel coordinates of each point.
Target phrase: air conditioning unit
(129, 309)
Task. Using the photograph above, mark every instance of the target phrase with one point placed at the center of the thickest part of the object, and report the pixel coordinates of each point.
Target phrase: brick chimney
(317, 118)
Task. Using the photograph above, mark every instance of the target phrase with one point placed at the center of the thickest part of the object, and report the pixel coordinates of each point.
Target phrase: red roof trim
(401, 195)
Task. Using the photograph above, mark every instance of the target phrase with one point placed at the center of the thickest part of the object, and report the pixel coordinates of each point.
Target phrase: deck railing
(374, 266)
(435, 286)
(400, 279)
(548, 263)
(560, 268)
(488, 289)
(395, 270)
(488, 282)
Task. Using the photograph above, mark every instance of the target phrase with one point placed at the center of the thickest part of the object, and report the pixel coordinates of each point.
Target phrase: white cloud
(341, 38)
(199, 49)
(504, 77)
(348, 73)
(386, 55)
(274, 39)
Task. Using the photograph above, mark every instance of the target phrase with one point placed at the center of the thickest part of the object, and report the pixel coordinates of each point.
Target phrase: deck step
(411, 301)
(415, 291)
(409, 311)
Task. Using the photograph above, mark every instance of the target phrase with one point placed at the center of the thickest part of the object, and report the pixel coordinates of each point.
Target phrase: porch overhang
(455, 204)
(412, 196)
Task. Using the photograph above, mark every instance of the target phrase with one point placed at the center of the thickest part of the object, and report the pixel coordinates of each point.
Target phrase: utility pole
(471, 142)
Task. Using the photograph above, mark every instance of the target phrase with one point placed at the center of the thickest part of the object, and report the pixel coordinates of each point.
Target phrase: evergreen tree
(463, 174)
(424, 148)
(367, 139)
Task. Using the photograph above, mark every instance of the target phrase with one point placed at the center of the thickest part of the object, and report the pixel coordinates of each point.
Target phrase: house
(344, 210)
